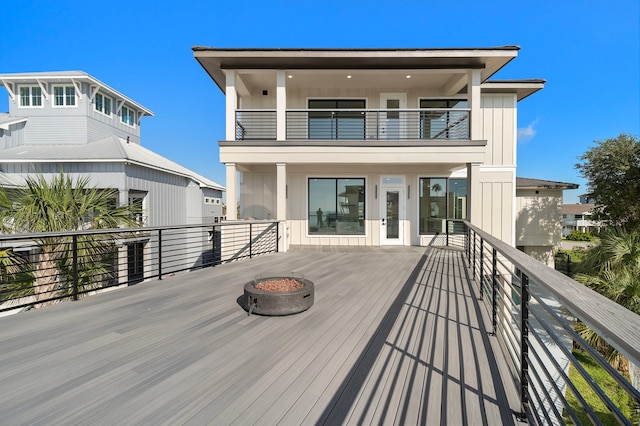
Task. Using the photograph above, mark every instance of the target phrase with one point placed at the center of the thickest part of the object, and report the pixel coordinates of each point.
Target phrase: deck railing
(356, 124)
(42, 268)
(534, 311)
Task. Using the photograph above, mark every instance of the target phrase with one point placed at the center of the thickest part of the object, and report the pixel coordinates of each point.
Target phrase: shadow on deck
(395, 336)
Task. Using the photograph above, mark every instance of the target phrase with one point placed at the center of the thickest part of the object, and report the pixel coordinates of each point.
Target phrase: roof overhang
(527, 183)
(69, 76)
(216, 60)
(522, 88)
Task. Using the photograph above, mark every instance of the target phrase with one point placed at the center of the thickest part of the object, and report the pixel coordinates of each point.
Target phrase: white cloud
(527, 133)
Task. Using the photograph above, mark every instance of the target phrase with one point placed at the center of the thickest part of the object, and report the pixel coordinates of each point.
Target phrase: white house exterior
(73, 123)
(577, 217)
(539, 216)
(70, 121)
(370, 146)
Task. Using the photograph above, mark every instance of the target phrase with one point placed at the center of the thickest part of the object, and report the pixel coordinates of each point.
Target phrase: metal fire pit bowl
(278, 303)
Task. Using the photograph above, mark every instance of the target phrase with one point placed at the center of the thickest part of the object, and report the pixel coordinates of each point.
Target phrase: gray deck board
(395, 337)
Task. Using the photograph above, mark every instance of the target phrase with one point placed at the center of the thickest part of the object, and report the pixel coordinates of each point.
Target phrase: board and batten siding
(165, 202)
(499, 128)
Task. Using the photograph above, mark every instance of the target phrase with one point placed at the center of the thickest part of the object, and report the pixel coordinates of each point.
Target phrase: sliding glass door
(336, 123)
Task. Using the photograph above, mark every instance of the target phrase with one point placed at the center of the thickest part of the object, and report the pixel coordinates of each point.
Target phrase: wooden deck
(394, 337)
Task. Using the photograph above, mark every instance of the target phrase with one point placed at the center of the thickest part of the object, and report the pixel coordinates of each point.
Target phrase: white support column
(232, 196)
(231, 104)
(474, 93)
(281, 105)
(281, 191)
(474, 196)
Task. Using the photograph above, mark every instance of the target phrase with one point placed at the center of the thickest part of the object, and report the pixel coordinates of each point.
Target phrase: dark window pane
(336, 206)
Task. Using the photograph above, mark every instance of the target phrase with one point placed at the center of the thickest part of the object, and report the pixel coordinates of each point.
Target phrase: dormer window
(103, 104)
(64, 96)
(30, 96)
(128, 116)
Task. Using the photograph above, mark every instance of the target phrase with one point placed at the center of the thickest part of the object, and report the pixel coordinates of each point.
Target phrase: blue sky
(588, 51)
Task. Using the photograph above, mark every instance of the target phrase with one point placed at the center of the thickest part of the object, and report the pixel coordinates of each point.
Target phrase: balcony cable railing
(533, 310)
(356, 124)
(43, 268)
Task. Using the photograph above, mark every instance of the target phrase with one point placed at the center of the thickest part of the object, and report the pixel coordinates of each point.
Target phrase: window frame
(363, 233)
(31, 96)
(449, 209)
(103, 102)
(132, 115)
(65, 96)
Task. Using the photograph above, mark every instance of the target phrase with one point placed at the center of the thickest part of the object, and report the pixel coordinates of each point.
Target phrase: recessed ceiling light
(348, 76)
(409, 76)
(290, 76)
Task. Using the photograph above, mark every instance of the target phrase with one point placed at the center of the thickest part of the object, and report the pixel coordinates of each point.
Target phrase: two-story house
(73, 123)
(370, 146)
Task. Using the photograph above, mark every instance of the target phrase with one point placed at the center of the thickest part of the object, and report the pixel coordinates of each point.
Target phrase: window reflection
(441, 199)
(336, 206)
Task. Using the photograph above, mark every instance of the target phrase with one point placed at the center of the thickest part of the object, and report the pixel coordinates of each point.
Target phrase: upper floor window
(128, 116)
(30, 96)
(337, 118)
(103, 104)
(64, 96)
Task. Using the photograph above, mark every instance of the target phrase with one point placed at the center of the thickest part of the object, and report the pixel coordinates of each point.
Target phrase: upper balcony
(356, 124)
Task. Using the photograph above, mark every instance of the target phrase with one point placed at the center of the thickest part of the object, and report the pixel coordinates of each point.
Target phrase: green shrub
(580, 236)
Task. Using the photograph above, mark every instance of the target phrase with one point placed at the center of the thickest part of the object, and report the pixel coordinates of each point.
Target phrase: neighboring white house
(70, 121)
(370, 146)
(73, 123)
(539, 214)
(577, 217)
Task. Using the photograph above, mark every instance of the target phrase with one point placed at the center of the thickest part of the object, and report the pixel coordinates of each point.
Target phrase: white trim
(133, 118)
(64, 96)
(402, 214)
(30, 87)
(45, 89)
(100, 111)
(10, 88)
(5, 125)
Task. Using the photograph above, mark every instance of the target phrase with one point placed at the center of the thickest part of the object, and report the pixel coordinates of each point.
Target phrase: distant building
(577, 217)
(539, 216)
(71, 122)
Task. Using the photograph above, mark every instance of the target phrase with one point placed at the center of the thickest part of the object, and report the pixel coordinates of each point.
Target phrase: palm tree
(612, 268)
(437, 188)
(64, 205)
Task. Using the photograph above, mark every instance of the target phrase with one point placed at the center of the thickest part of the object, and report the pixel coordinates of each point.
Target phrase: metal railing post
(213, 245)
(74, 249)
(277, 236)
(481, 267)
(160, 254)
(250, 241)
(494, 298)
(524, 347)
(473, 249)
(447, 226)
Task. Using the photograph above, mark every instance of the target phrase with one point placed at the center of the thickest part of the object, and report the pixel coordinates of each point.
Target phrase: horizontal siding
(99, 126)
(64, 129)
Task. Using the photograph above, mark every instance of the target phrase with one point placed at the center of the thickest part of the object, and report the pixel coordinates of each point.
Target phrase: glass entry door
(392, 211)
(392, 123)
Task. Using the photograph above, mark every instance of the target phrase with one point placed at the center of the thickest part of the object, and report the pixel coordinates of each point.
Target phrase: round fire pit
(278, 294)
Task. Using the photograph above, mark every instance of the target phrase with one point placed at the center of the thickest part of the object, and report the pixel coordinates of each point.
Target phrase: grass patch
(619, 397)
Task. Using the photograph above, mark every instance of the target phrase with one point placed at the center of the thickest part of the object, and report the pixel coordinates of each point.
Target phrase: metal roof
(110, 149)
